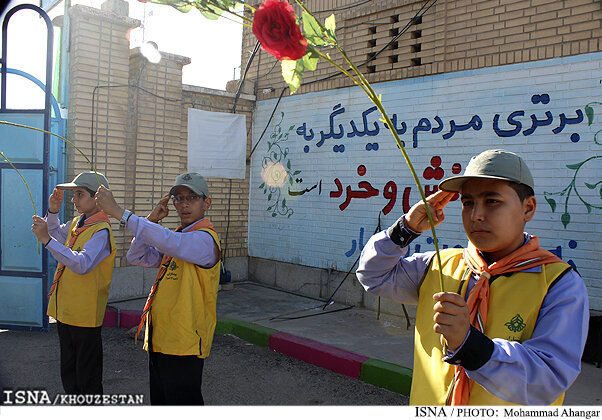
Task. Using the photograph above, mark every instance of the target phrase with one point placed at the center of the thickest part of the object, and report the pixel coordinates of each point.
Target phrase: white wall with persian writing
(318, 184)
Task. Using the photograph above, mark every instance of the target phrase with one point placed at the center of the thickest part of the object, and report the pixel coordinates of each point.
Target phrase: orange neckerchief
(527, 256)
(96, 218)
(201, 224)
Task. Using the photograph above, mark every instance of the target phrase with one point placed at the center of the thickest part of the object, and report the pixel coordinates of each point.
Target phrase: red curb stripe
(110, 319)
(127, 318)
(341, 361)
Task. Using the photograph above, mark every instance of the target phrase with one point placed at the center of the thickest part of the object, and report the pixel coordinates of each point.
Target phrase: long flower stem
(56, 135)
(361, 81)
(345, 72)
(28, 190)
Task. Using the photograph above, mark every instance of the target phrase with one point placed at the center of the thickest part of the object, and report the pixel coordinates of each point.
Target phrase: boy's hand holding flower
(106, 202)
(39, 228)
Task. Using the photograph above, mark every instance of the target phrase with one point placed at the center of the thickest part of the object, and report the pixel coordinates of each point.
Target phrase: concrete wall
(322, 283)
(319, 186)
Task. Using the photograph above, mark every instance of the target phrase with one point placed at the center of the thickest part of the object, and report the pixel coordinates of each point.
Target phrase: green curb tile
(387, 375)
(247, 331)
(224, 326)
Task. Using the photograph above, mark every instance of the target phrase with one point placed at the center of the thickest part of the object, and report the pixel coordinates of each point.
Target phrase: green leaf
(313, 32)
(296, 172)
(575, 165)
(262, 185)
(331, 25)
(269, 197)
(310, 60)
(292, 72)
(274, 215)
(288, 164)
(180, 5)
(565, 219)
(552, 203)
(283, 202)
(590, 186)
(589, 111)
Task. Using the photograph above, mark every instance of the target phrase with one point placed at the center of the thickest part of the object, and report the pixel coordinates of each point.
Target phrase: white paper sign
(216, 144)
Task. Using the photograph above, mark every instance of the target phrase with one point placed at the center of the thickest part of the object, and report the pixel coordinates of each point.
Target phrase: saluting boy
(180, 312)
(85, 251)
(514, 317)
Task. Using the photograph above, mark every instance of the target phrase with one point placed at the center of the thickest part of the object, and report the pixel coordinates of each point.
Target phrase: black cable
(92, 133)
(268, 123)
(232, 111)
(329, 300)
(242, 79)
(283, 318)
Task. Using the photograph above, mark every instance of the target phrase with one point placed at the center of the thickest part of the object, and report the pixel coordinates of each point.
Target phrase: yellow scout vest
(514, 303)
(81, 300)
(182, 317)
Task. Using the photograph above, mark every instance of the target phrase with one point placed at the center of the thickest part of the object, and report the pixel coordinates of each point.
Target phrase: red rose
(275, 27)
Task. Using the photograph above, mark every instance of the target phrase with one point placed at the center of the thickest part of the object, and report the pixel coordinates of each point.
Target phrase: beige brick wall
(137, 134)
(99, 57)
(230, 197)
(453, 35)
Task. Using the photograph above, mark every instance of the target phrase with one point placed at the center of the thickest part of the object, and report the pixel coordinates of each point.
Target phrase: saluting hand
(55, 200)
(417, 219)
(161, 210)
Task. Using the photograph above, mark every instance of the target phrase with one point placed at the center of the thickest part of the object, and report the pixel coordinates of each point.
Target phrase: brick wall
(137, 125)
(230, 197)
(99, 57)
(452, 35)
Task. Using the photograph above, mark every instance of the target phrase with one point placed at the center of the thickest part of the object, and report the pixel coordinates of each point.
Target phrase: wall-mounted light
(151, 52)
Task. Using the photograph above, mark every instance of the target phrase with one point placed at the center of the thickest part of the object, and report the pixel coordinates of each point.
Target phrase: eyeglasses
(177, 199)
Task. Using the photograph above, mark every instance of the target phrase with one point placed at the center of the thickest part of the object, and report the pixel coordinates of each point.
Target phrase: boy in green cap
(513, 317)
(85, 251)
(180, 312)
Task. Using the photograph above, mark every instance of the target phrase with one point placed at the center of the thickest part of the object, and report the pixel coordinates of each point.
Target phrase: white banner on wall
(327, 171)
(217, 144)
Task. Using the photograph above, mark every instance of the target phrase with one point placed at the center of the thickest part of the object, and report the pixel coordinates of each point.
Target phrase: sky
(214, 47)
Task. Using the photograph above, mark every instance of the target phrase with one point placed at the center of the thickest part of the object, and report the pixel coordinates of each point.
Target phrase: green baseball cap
(87, 180)
(491, 164)
(193, 181)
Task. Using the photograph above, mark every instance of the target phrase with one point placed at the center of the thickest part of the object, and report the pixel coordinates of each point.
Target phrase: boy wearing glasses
(180, 312)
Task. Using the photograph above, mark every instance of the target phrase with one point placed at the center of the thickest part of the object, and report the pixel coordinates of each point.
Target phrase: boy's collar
(526, 239)
(187, 228)
(536, 269)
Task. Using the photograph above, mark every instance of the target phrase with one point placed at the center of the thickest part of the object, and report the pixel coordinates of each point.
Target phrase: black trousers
(175, 380)
(81, 359)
